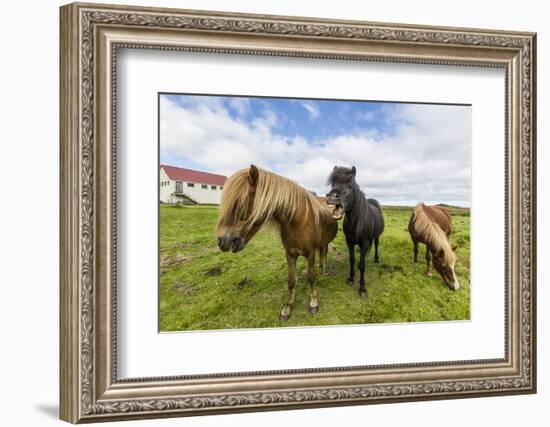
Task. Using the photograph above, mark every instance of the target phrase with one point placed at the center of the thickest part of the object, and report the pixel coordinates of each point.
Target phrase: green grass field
(204, 288)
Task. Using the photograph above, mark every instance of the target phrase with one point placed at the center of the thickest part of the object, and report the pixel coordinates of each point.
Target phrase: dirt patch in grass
(391, 268)
(181, 246)
(333, 248)
(184, 288)
(215, 271)
(243, 283)
(177, 259)
(204, 252)
(335, 254)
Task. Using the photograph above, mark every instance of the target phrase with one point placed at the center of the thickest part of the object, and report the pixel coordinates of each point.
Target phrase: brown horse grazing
(252, 197)
(431, 225)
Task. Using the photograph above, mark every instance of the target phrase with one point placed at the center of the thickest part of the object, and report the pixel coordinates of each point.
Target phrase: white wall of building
(202, 195)
(165, 191)
(194, 190)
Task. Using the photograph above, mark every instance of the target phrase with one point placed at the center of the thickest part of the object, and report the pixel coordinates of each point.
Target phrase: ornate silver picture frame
(91, 34)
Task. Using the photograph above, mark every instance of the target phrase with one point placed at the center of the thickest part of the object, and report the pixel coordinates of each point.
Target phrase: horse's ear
(253, 174)
(353, 171)
(454, 247)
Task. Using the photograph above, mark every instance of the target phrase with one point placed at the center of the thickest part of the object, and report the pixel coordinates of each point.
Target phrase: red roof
(189, 175)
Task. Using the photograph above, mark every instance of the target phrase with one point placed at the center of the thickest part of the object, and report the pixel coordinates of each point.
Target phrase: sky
(403, 153)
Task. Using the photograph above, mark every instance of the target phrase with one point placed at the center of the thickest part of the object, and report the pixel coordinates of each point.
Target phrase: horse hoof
(453, 286)
(429, 274)
(284, 317)
(376, 260)
(363, 294)
(313, 309)
(350, 282)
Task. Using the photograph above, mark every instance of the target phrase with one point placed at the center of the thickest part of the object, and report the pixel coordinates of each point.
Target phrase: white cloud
(424, 157)
(312, 110)
(240, 105)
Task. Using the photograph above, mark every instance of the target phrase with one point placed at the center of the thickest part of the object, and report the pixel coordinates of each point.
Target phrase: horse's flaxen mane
(275, 196)
(433, 234)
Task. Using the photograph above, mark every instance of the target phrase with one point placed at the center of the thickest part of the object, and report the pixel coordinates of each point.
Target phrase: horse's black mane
(360, 209)
(340, 174)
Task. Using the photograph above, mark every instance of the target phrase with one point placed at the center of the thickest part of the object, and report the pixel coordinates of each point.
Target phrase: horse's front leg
(415, 249)
(362, 263)
(322, 259)
(313, 302)
(287, 308)
(428, 262)
(351, 249)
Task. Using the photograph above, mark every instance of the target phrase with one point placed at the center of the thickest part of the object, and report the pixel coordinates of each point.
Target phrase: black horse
(363, 223)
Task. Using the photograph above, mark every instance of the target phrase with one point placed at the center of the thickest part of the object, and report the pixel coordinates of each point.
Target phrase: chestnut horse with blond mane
(253, 197)
(432, 226)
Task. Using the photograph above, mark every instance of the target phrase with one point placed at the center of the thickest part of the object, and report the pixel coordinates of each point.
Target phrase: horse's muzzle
(233, 243)
(333, 200)
(453, 286)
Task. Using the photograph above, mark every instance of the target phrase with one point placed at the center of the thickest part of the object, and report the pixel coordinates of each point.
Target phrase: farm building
(179, 185)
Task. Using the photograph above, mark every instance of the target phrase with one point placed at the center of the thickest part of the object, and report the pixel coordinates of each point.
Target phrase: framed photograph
(266, 212)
